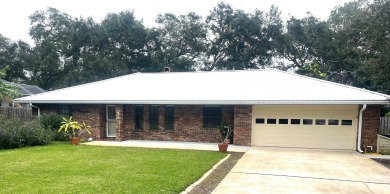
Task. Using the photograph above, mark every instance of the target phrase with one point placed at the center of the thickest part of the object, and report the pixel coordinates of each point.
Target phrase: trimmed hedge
(17, 133)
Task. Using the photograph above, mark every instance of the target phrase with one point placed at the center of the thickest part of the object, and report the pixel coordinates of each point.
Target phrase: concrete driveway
(291, 170)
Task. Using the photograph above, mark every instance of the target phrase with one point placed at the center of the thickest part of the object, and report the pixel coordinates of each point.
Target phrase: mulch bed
(209, 184)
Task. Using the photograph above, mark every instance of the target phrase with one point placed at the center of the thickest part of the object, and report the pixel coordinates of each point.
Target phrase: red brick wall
(371, 121)
(242, 124)
(92, 115)
(188, 125)
(48, 108)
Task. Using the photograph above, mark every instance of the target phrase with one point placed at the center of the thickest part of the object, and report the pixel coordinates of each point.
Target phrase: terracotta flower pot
(223, 147)
(74, 140)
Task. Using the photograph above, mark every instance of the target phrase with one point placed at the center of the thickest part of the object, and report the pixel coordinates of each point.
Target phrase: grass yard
(63, 168)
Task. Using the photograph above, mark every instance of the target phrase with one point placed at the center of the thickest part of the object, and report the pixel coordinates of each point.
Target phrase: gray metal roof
(218, 87)
(26, 90)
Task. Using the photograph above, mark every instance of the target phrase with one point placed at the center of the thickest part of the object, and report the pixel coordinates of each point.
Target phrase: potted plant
(74, 129)
(225, 132)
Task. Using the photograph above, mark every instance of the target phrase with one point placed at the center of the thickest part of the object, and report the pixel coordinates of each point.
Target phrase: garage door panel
(305, 135)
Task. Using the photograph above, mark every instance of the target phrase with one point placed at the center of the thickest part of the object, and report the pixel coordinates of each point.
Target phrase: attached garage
(305, 126)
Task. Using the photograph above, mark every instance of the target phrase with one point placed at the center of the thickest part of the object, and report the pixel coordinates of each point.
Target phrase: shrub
(52, 122)
(16, 133)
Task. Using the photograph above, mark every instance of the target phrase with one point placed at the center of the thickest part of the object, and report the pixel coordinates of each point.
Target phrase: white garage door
(306, 126)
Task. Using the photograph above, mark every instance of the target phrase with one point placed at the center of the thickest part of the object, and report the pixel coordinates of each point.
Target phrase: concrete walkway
(168, 145)
(377, 156)
(293, 170)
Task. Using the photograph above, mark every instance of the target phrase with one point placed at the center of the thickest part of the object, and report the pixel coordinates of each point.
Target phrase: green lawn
(63, 168)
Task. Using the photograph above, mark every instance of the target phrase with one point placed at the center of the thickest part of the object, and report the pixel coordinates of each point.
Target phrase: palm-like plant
(225, 131)
(73, 128)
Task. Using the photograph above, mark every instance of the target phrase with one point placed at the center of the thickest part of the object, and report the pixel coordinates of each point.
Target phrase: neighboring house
(25, 90)
(266, 108)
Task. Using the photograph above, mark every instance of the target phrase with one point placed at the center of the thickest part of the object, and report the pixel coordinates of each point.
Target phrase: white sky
(14, 22)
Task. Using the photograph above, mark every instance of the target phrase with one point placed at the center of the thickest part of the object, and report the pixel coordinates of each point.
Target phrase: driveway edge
(193, 185)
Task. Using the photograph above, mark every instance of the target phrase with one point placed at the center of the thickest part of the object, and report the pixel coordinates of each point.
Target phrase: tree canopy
(7, 91)
(350, 47)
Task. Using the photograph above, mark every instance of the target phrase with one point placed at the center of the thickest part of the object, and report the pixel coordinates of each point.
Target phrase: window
(64, 110)
(169, 117)
(346, 122)
(139, 117)
(283, 121)
(307, 121)
(212, 116)
(333, 122)
(259, 120)
(271, 121)
(153, 117)
(320, 121)
(295, 121)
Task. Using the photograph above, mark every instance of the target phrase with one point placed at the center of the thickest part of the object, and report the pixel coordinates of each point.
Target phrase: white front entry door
(110, 121)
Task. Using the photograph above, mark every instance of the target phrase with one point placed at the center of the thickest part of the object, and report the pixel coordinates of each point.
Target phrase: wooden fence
(383, 145)
(384, 128)
(23, 113)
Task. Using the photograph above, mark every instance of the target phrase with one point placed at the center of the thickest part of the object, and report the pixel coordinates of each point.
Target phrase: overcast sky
(14, 22)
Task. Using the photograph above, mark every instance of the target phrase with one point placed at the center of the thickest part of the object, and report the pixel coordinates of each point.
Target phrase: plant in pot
(225, 132)
(74, 129)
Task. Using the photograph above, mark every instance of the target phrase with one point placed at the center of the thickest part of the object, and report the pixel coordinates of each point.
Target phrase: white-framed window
(346, 122)
(333, 122)
(304, 121)
(110, 121)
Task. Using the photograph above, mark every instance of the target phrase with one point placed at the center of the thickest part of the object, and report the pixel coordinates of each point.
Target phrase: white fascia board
(201, 102)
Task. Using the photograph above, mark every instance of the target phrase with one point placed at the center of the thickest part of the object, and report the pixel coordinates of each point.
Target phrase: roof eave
(198, 102)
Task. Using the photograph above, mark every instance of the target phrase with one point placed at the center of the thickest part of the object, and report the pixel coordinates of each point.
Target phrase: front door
(110, 121)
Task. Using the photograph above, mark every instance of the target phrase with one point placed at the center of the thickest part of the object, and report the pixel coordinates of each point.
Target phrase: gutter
(39, 109)
(360, 128)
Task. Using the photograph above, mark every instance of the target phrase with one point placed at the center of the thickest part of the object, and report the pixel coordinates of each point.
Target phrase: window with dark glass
(320, 121)
(295, 121)
(169, 117)
(64, 110)
(153, 117)
(259, 121)
(212, 116)
(283, 121)
(333, 122)
(307, 121)
(139, 117)
(346, 122)
(271, 121)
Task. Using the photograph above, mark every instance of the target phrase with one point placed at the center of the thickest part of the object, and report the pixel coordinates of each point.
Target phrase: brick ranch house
(265, 107)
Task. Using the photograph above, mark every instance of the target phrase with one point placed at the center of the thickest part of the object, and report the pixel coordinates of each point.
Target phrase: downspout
(39, 110)
(360, 128)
